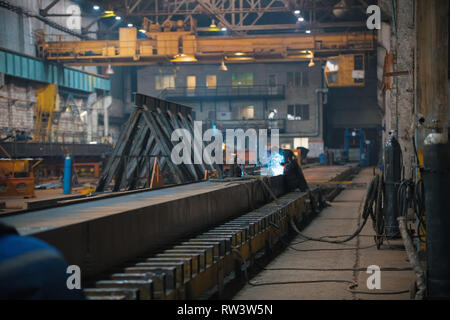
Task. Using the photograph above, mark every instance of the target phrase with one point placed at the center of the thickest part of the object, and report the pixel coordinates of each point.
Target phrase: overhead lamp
(109, 70)
(301, 19)
(224, 29)
(109, 13)
(118, 18)
(308, 31)
(300, 54)
(213, 26)
(297, 12)
(96, 7)
(183, 58)
(311, 63)
(240, 57)
(130, 25)
(223, 67)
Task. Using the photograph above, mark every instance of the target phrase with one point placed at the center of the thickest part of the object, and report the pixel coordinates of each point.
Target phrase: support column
(432, 103)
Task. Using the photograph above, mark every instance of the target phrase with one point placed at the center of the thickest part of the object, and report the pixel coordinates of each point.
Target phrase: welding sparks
(274, 165)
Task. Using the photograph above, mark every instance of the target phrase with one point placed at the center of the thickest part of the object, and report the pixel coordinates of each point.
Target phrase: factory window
(297, 79)
(298, 112)
(164, 81)
(272, 81)
(301, 142)
(211, 81)
(191, 82)
(242, 79)
(246, 113)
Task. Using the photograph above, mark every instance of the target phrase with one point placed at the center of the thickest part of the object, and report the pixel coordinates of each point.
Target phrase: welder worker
(293, 173)
(235, 170)
(32, 269)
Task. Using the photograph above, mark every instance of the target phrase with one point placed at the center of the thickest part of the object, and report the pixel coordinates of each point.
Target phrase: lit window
(211, 81)
(332, 65)
(301, 142)
(246, 113)
(191, 82)
(242, 79)
(298, 112)
(164, 81)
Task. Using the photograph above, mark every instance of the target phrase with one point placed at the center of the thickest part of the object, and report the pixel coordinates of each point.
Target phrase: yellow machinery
(16, 177)
(44, 112)
(346, 70)
(184, 46)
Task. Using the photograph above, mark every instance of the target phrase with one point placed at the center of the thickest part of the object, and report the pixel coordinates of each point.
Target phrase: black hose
(367, 211)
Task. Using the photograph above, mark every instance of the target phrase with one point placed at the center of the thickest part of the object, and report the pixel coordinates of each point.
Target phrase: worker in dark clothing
(32, 269)
(293, 173)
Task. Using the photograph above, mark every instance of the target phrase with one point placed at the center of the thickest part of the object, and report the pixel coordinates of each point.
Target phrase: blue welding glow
(273, 165)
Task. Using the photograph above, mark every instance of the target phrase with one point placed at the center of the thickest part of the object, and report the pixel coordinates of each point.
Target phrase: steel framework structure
(243, 16)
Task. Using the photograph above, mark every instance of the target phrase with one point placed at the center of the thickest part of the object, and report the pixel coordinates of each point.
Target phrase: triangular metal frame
(146, 136)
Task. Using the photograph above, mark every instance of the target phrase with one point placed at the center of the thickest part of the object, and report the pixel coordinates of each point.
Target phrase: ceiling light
(223, 67)
(183, 58)
(109, 13)
(297, 12)
(301, 19)
(213, 26)
(109, 70)
(130, 25)
(118, 18)
(308, 31)
(224, 29)
(311, 63)
(96, 7)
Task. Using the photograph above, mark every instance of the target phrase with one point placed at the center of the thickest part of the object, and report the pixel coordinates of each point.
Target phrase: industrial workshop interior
(240, 152)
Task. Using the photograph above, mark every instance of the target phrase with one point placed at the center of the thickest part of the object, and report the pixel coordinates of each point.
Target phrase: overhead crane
(182, 46)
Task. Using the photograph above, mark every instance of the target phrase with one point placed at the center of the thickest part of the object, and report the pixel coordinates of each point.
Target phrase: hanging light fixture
(223, 67)
(109, 70)
(311, 63)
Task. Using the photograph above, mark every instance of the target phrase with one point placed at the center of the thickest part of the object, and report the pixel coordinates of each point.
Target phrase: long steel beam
(167, 47)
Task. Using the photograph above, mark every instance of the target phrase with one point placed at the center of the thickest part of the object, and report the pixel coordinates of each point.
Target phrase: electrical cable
(333, 249)
(336, 269)
(367, 211)
(350, 288)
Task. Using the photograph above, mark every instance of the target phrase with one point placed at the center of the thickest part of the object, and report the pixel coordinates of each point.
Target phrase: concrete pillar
(90, 104)
(106, 101)
(404, 84)
(432, 61)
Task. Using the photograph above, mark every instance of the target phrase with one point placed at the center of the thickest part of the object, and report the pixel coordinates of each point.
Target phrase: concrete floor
(340, 219)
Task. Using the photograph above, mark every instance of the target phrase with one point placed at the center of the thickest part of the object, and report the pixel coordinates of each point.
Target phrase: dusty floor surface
(340, 219)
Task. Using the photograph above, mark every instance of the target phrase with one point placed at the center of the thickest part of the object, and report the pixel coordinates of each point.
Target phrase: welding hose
(372, 196)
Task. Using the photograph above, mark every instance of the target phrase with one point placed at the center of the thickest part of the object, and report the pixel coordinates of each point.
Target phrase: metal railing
(253, 123)
(225, 92)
